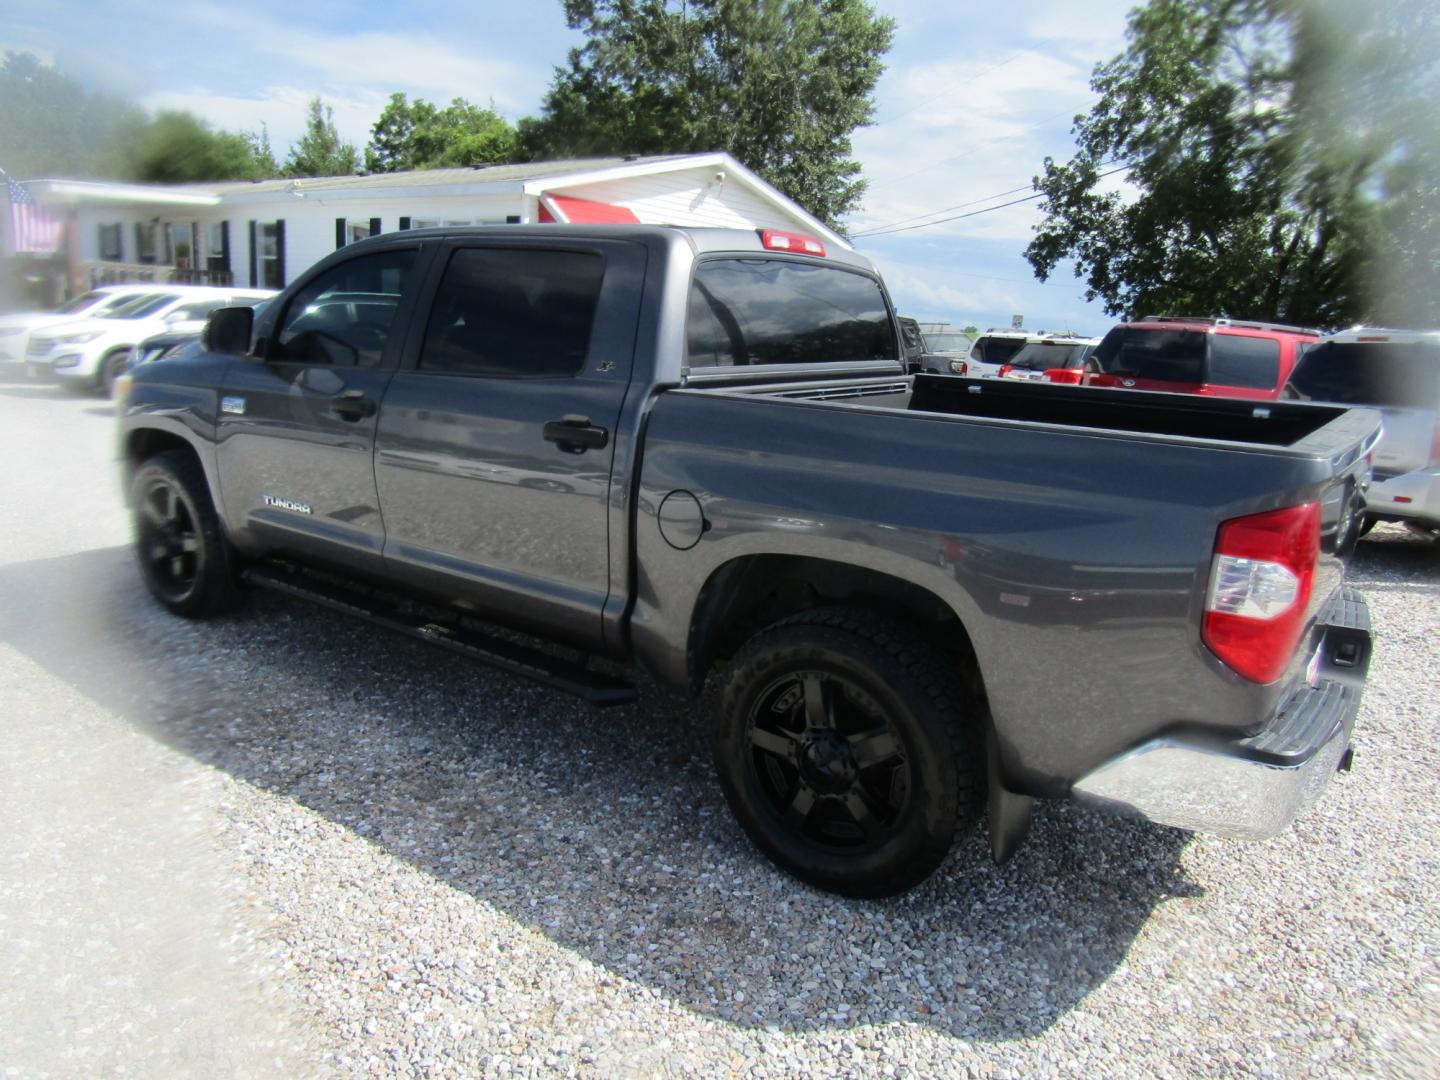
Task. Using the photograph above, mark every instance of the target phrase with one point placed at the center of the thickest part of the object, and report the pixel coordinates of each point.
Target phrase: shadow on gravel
(602, 830)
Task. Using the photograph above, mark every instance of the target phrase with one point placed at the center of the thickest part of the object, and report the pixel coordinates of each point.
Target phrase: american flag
(32, 227)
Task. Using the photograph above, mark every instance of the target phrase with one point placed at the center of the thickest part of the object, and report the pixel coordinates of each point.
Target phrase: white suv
(1397, 372)
(15, 329)
(91, 353)
(991, 349)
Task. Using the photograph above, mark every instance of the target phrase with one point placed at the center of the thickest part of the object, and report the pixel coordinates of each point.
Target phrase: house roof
(536, 178)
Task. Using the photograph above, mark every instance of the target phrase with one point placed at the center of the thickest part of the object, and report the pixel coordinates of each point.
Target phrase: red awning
(587, 212)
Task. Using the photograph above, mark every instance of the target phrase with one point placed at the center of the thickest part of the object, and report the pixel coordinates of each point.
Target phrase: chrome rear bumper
(1252, 788)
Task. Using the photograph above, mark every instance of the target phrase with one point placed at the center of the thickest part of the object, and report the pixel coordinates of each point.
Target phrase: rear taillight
(1260, 582)
(778, 240)
(1065, 375)
(1005, 369)
(959, 367)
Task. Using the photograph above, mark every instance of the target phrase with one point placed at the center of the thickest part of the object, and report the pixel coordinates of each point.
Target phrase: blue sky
(975, 96)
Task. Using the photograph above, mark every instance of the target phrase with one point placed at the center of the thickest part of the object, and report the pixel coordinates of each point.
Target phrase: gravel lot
(283, 843)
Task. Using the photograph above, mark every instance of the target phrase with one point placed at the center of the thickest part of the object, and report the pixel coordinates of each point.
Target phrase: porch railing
(104, 272)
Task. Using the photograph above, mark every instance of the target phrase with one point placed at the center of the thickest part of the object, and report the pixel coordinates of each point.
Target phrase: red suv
(1183, 355)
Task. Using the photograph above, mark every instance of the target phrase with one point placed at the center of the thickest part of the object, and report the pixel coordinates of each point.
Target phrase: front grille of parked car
(39, 348)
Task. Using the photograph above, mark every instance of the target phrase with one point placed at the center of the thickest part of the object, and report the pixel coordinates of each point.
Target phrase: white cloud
(281, 109)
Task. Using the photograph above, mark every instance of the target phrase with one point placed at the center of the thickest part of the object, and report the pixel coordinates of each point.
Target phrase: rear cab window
(1047, 355)
(1249, 362)
(747, 311)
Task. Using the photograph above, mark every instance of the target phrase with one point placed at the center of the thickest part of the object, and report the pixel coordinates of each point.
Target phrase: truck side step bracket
(541, 667)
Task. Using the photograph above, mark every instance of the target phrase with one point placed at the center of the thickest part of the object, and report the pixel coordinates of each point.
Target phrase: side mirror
(228, 330)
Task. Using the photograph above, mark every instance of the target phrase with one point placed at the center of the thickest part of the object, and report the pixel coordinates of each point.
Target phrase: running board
(527, 663)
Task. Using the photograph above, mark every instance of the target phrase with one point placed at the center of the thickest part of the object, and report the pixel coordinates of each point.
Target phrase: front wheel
(111, 368)
(844, 751)
(184, 559)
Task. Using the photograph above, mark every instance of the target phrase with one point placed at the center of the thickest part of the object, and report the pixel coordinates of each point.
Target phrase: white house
(264, 233)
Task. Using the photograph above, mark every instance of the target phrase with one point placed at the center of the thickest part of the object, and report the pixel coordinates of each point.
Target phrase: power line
(943, 210)
(889, 230)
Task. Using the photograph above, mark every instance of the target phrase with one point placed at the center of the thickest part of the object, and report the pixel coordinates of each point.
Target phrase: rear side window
(344, 316)
(1387, 374)
(773, 311)
(1249, 362)
(513, 313)
(1169, 355)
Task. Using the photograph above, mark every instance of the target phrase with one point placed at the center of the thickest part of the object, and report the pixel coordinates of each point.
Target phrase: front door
(297, 424)
(496, 437)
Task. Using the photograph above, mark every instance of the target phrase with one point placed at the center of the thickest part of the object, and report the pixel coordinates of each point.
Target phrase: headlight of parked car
(78, 339)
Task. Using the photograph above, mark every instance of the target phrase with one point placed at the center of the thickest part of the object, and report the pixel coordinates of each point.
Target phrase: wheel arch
(750, 592)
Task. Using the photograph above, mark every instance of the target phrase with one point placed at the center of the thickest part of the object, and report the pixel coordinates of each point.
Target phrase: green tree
(779, 84)
(1278, 154)
(176, 147)
(321, 151)
(50, 125)
(418, 135)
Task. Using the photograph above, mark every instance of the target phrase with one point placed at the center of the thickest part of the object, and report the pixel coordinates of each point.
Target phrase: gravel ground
(356, 855)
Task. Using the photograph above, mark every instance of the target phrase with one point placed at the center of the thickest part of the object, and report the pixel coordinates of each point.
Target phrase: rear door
(296, 432)
(496, 438)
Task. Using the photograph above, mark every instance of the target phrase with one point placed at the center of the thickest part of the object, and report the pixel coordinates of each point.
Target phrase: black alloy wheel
(829, 761)
(184, 559)
(847, 751)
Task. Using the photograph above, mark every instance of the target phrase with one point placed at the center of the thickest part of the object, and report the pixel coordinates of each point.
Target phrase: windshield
(1389, 374)
(1170, 355)
(80, 303)
(1045, 355)
(140, 307)
(947, 343)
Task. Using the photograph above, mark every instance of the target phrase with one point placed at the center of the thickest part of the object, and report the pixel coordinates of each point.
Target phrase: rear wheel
(184, 559)
(844, 752)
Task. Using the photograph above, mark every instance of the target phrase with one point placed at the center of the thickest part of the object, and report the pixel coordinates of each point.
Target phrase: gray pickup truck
(697, 451)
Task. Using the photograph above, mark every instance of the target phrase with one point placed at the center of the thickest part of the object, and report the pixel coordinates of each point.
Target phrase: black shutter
(512, 219)
(374, 226)
(254, 256)
(225, 251)
(339, 233)
(280, 253)
(404, 224)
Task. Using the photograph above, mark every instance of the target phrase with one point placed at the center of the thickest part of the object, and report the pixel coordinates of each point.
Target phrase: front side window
(344, 316)
(747, 311)
(142, 307)
(1166, 355)
(1250, 362)
(80, 303)
(513, 313)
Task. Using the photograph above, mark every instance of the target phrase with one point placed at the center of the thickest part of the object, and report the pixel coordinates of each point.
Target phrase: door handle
(353, 405)
(575, 434)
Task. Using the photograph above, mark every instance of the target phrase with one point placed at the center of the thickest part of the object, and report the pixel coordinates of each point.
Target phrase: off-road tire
(184, 558)
(880, 678)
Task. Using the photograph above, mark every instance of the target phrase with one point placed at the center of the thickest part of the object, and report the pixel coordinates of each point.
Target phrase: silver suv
(1397, 372)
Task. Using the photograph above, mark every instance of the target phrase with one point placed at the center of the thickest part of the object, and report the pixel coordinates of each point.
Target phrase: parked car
(15, 329)
(943, 348)
(1050, 359)
(1188, 355)
(696, 451)
(91, 353)
(1397, 372)
(994, 347)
